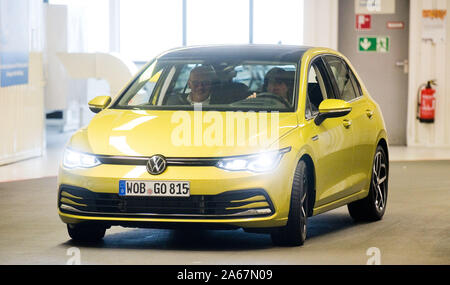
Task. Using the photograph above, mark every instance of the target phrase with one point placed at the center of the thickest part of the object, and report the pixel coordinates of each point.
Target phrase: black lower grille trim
(224, 205)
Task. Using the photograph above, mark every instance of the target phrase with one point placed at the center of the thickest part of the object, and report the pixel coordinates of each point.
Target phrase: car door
(331, 140)
(360, 120)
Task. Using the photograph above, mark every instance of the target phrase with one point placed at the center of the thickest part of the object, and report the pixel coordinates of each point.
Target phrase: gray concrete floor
(415, 230)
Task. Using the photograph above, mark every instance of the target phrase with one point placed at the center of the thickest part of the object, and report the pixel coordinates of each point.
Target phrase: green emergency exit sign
(373, 44)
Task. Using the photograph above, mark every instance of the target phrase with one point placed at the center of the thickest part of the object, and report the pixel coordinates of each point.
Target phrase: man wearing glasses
(200, 82)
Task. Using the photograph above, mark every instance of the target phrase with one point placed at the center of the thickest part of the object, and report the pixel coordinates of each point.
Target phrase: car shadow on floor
(158, 239)
(328, 223)
(210, 240)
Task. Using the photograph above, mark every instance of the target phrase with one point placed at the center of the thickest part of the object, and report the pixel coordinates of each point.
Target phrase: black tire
(373, 207)
(86, 232)
(294, 233)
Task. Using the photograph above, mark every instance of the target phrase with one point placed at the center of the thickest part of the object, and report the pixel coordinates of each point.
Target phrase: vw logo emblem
(156, 164)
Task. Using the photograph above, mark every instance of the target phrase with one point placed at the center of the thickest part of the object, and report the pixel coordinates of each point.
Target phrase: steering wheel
(274, 96)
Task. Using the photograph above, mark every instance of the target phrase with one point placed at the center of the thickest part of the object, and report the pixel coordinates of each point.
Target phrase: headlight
(74, 159)
(261, 162)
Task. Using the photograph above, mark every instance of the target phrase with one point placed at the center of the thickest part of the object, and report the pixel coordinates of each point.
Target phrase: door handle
(369, 113)
(347, 123)
(403, 64)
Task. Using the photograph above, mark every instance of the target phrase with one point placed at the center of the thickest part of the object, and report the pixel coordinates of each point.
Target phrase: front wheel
(373, 207)
(294, 233)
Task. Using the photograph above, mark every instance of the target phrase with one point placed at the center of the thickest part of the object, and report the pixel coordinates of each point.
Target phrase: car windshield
(222, 85)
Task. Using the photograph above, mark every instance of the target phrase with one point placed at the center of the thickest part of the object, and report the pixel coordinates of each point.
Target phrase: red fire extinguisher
(426, 102)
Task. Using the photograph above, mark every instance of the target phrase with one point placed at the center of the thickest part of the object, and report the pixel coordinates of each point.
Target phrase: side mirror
(99, 103)
(332, 108)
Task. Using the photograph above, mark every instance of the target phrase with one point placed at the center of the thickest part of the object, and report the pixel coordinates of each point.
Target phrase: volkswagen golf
(258, 137)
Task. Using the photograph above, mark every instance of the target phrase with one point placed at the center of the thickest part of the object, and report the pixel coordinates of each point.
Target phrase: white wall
(22, 106)
(429, 61)
(321, 23)
(22, 116)
(56, 39)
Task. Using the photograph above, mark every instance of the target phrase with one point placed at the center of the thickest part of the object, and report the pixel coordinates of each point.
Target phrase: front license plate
(154, 188)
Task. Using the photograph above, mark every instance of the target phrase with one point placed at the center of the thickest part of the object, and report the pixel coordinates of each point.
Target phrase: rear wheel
(294, 233)
(373, 207)
(86, 232)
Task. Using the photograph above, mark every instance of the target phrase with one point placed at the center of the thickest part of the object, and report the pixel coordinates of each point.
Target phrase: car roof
(256, 52)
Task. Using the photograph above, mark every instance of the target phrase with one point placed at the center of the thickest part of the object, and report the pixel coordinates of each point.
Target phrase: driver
(200, 82)
(279, 82)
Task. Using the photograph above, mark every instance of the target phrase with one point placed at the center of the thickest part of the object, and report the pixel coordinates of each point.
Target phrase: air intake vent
(238, 203)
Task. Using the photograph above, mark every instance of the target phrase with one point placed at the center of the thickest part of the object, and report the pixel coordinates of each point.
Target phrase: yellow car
(258, 137)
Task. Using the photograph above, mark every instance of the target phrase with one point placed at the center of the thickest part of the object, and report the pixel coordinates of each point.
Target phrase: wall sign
(363, 22)
(13, 68)
(395, 25)
(373, 44)
(434, 23)
(374, 6)
(13, 43)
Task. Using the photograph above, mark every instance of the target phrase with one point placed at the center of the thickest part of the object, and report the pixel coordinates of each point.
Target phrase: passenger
(279, 82)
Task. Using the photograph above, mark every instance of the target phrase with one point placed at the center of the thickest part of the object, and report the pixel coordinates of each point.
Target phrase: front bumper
(241, 203)
(239, 199)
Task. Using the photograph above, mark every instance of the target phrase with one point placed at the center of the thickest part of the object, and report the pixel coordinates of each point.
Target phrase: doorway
(376, 41)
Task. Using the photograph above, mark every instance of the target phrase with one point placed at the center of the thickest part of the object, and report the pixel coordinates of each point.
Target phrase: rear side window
(343, 79)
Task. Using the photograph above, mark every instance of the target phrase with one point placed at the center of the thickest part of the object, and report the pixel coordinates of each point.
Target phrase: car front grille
(230, 204)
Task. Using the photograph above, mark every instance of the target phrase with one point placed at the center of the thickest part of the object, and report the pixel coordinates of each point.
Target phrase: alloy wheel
(304, 203)
(379, 181)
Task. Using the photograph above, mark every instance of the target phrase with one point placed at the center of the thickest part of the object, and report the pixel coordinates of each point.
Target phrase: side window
(145, 87)
(340, 74)
(175, 85)
(356, 84)
(308, 111)
(143, 95)
(319, 88)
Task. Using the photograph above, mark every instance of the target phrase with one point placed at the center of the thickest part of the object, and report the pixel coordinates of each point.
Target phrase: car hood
(182, 133)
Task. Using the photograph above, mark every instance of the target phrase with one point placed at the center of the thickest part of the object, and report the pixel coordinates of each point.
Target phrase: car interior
(228, 88)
